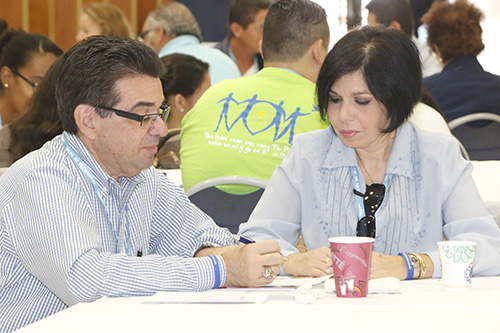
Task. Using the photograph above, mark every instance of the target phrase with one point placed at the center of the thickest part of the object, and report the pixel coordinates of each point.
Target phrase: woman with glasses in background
(24, 60)
(38, 125)
(373, 173)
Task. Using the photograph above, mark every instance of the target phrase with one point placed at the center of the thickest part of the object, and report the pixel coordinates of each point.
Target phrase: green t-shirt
(246, 126)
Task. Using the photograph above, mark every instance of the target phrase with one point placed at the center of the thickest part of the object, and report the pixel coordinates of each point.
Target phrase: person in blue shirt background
(245, 26)
(172, 28)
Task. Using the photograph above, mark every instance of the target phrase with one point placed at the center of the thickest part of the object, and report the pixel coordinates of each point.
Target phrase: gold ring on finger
(268, 273)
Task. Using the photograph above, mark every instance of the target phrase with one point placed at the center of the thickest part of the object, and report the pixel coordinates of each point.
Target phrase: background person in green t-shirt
(246, 126)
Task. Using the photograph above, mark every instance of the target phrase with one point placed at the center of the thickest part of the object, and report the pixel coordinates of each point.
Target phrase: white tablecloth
(421, 306)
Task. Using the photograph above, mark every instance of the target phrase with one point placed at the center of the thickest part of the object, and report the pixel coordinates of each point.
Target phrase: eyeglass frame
(368, 221)
(142, 35)
(34, 85)
(163, 115)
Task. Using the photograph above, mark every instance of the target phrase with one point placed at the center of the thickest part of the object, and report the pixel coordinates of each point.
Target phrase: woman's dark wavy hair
(182, 74)
(389, 62)
(41, 122)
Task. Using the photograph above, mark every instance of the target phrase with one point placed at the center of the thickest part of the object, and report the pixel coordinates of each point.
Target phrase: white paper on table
(221, 296)
(297, 281)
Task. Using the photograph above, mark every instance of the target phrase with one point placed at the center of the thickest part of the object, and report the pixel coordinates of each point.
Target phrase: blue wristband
(409, 266)
(216, 271)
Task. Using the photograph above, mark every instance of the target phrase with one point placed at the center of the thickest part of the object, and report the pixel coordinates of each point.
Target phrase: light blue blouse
(430, 194)
(220, 65)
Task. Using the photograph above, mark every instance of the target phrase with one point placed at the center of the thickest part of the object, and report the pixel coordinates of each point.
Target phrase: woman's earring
(6, 85)
(181, 109)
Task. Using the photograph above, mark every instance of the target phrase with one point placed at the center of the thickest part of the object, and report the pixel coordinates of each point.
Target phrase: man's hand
(312, 263)
(245, 265)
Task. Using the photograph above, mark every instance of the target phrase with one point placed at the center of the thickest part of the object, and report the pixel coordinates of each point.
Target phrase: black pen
(244, 239)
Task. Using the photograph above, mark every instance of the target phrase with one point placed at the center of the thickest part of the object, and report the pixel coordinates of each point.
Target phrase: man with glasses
(172, 28)
(86, 216)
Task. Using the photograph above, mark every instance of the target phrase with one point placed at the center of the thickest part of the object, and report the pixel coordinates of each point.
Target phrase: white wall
(490, 57)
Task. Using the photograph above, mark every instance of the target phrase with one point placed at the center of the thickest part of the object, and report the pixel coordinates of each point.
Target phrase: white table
(422, 306)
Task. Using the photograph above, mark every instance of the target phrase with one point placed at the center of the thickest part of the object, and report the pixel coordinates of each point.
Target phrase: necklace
(364, 168)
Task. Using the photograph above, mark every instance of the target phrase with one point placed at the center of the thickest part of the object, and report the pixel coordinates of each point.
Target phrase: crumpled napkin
(306, 295)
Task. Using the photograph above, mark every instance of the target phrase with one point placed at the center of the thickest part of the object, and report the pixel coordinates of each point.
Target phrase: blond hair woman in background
(101, 18)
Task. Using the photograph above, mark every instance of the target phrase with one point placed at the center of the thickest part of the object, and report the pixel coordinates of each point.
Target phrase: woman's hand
(384, 266)
(395, 266)
(312, 263)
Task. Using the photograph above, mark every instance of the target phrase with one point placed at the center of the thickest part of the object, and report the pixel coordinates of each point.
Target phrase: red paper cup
(351, 258)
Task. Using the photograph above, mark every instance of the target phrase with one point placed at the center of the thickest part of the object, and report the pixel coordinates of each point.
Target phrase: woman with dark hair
(373, 173)
(24, 60)
(38, 125)
(186, 78)
(463, 87)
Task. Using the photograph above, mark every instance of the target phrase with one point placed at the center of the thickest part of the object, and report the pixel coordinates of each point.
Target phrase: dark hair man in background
(246, 22)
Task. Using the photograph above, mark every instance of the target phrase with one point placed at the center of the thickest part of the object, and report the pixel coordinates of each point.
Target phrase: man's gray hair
(176, 19)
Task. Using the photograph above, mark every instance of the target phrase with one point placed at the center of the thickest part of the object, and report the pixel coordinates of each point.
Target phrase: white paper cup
(457, 260)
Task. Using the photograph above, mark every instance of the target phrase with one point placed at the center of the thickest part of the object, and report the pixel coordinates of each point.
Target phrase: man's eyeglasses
(146, 120)
(372, 199)
(32, 84)
(143, 34)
